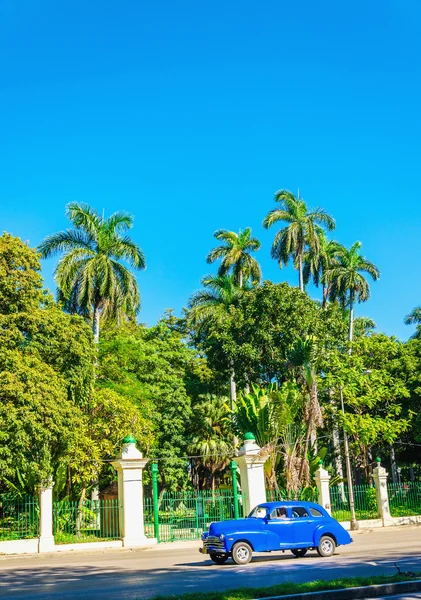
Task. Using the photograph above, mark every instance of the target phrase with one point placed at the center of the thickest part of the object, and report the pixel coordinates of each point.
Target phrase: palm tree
(301, 232)
(209, 307)
(303, 357)
(348, 284)
(90, 276)
(235, 255)
(317, 261)
(213, 440)
(414, 318)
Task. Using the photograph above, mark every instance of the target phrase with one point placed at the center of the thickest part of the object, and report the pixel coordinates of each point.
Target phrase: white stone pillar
(322, 478)
(129, 466)
(45, 498)
(380, 481)
(251, 465)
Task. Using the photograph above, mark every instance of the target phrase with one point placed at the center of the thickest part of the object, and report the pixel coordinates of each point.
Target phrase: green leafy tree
(257, 334)
(154, 368)
(52, 420)
(90, 276)
(348, 284)
(301, 232)
(235, 255)
(20, 277)
(374, 396)
(414, 318)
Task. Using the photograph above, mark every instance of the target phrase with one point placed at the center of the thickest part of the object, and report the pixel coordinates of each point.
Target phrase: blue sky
(190, 115)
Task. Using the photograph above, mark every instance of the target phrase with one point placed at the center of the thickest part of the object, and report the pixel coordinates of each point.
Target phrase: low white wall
(19, 546)
(87, 546)
(364, 524)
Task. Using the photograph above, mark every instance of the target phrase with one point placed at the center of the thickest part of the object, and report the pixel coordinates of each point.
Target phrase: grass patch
(288, 588)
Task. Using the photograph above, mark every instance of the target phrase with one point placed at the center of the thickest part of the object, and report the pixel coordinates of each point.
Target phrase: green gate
(186, 515)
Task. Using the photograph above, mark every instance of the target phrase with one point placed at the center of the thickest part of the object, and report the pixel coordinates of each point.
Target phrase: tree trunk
(233, 389)
(233, 398)
(240, 279)
(351, 320)
(300, 273)
(393, 465)
(325, 295)
(411, 472)
(95, 325)
(79, 518)
(337, 454)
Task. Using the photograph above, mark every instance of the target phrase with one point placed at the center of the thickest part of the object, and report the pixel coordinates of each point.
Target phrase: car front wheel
(299, 552)
(241, 553)
(219, 559)
(326, 546)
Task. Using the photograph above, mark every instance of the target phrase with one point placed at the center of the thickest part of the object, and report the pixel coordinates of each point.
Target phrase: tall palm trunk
(240, 279)
(300, 272)
(233, 388)
(351, 321)
(325, 289)
(233, 398)
(351, 317)
(95, 324)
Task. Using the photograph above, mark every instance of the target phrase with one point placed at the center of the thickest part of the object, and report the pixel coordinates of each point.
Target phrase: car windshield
(259, 512)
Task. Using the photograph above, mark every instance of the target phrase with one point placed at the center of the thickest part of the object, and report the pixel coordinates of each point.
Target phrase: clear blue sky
(192, 114)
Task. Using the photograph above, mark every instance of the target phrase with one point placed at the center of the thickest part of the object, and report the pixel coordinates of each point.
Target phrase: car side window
(299, 512)
(315, 513)
(278, 513)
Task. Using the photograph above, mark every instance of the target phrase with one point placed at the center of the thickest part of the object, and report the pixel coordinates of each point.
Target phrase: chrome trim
(214, 541)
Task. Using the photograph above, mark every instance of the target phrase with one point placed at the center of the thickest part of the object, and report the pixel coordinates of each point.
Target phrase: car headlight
(222, 537)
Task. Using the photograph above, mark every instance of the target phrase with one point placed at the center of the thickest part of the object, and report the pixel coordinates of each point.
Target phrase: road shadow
(42, 582)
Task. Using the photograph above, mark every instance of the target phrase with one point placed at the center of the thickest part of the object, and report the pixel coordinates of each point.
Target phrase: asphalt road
(169, 569)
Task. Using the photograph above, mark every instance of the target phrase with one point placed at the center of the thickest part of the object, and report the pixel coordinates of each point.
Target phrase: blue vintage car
(296, 526)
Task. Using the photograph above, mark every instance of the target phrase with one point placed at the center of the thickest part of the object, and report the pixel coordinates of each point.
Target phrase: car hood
(226, 527)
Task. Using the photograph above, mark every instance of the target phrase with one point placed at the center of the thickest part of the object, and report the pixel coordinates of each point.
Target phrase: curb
(371, 591)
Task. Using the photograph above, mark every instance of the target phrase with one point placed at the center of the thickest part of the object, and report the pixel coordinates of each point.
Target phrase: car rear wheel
(241, 553)
(299, 552)
(219, 559)
(326, 546)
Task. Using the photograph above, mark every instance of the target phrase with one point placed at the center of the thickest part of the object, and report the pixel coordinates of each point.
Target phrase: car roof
(287, 503)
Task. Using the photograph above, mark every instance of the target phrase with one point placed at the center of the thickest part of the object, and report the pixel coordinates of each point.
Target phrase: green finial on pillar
(378, 461)
(129, 439)
(249, 436)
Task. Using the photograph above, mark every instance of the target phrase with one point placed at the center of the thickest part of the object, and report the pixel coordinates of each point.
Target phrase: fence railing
(19, 517)
(404, 499)
(365, 501)
(186, 515)
(91, 521)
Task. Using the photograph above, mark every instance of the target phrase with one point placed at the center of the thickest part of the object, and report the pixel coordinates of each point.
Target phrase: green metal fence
(365, 501)
(309, 494)
(186, 515)
(92, 521)
(404, 499)
(19, 517)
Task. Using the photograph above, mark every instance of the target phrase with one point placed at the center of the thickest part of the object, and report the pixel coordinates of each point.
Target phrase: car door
(302, 526)
(278, 528)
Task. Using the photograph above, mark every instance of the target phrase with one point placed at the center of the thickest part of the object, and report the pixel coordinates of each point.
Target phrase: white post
(251, 464)
(129, 466)
(380, 481)
(322, 478)
(46, 538)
